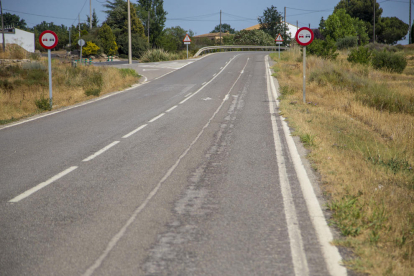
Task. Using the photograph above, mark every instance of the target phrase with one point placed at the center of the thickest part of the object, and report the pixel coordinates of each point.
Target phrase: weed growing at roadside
(43, 103)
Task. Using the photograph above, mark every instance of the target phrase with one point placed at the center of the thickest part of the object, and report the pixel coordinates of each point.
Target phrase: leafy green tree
(339, 25)
(108, 40)
(271, 22)
(325, 49)
(157, 18)
(95, 20)
(394, 30)
(253, 37)
(172, 38)
(412, 32)
(224, 28)
(363, 9)
(322, 25)
(14, 20)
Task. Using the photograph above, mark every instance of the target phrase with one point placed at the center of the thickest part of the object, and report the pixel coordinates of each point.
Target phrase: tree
(412, 32)
(94, 20)
(394, 30)
(272, 23)
(172, 39)
(224, 28)
(108, 41)
(363, 9)
(339, 25)
(322, 24)
(14, 20)
(253, 37)
(157, 18)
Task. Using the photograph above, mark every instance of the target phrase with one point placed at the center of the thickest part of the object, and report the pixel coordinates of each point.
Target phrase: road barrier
(226, 48)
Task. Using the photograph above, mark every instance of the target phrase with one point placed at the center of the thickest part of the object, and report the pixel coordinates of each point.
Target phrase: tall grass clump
(393, 62)
(155, 55)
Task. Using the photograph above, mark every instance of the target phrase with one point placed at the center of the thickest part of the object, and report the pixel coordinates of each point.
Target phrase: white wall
(25, 39)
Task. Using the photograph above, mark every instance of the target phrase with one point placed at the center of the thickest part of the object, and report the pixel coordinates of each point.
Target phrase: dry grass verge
(359, 125)
(24, 90)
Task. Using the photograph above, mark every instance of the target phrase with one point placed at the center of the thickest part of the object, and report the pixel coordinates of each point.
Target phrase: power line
(40, 15)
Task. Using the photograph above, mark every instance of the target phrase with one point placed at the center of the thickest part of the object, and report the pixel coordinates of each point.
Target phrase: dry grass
(364, 150)
(20, 88)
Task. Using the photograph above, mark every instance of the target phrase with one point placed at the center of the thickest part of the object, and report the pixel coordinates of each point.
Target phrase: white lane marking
(150, 70)
(221, 67)
(156, 118)
(299, 261)
(172, 108)
(134, 131)
(115, 239)
(207, 83)
(214, 74)
(42, 185)
(242, 72)
(226, 98)
(187, 95)
(99, 152)
(330, 252)
(207, 99)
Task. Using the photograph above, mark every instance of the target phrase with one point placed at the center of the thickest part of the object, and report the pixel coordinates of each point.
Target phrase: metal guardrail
(241, 47)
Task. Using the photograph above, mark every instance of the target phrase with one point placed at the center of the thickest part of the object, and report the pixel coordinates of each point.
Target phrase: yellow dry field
(359, 126)
(21, 87)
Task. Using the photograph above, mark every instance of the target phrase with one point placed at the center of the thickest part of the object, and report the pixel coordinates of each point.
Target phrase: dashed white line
(187, 95)
(172, 108)
(156, 118)
(214, 74)
(134, 131)
(206, 82)
(100, 151)
(42, 185)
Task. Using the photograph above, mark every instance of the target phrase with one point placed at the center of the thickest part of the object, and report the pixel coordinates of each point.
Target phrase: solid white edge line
(115, 239)
(171, 109)
(298, 255)
(100, 151)
(134, 131)
(330, 252)
(42, 185)
(156, 118)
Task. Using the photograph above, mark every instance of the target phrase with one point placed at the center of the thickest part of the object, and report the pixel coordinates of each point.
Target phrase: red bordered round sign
(48, 40)
(304, 36)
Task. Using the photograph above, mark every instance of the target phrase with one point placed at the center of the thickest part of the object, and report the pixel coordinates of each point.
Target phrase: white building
(22, 38)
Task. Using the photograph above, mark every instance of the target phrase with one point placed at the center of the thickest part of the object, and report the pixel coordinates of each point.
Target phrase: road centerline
(100, 151)
(156, 118)
(134, 131)
(42, 185)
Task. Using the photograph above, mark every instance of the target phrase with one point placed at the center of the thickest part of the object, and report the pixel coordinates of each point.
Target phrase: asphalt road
(191, 173)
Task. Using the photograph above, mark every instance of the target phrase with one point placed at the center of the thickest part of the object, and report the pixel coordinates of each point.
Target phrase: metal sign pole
(279, 51)
(187, 51)
(80, 56)
(49, 56)
(304, 74)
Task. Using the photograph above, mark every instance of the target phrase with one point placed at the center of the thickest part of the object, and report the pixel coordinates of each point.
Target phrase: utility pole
(79, 24)
(149, 9)
(90, 14)
(373, 34)
(220, 29)
(284, 25)
(409, 28)
(129, 34)
(2, 28)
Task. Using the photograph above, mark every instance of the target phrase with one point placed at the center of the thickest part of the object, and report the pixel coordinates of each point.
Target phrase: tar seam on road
(134, 131)
(100, 151)
(330, 252)
(298, 255)
(42, 185)
(112, 243)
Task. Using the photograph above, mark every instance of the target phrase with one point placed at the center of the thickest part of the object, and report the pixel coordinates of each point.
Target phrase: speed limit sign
(48, 39)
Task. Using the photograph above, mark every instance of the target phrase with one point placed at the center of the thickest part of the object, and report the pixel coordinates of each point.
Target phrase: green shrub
(347, 42)
(43, 103)
(325, 49)
(360, 55)
(93, 92)
(128, 72)
(389, 61)
(155, 55)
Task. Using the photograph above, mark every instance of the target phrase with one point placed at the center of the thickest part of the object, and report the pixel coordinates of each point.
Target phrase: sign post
(187, 41)
(279, 40)
(304, 36)
(49, 40)
(81, 43)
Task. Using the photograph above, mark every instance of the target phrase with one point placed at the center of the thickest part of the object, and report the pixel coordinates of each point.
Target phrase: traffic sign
(81, 42)
(304, 36)
(279, 38)
(48, 39)
(187, 39)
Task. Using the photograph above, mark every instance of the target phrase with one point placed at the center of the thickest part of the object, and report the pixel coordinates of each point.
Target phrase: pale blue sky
(199, 16)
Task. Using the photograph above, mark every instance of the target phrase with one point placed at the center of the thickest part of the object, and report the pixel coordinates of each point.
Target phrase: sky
(199, 16)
